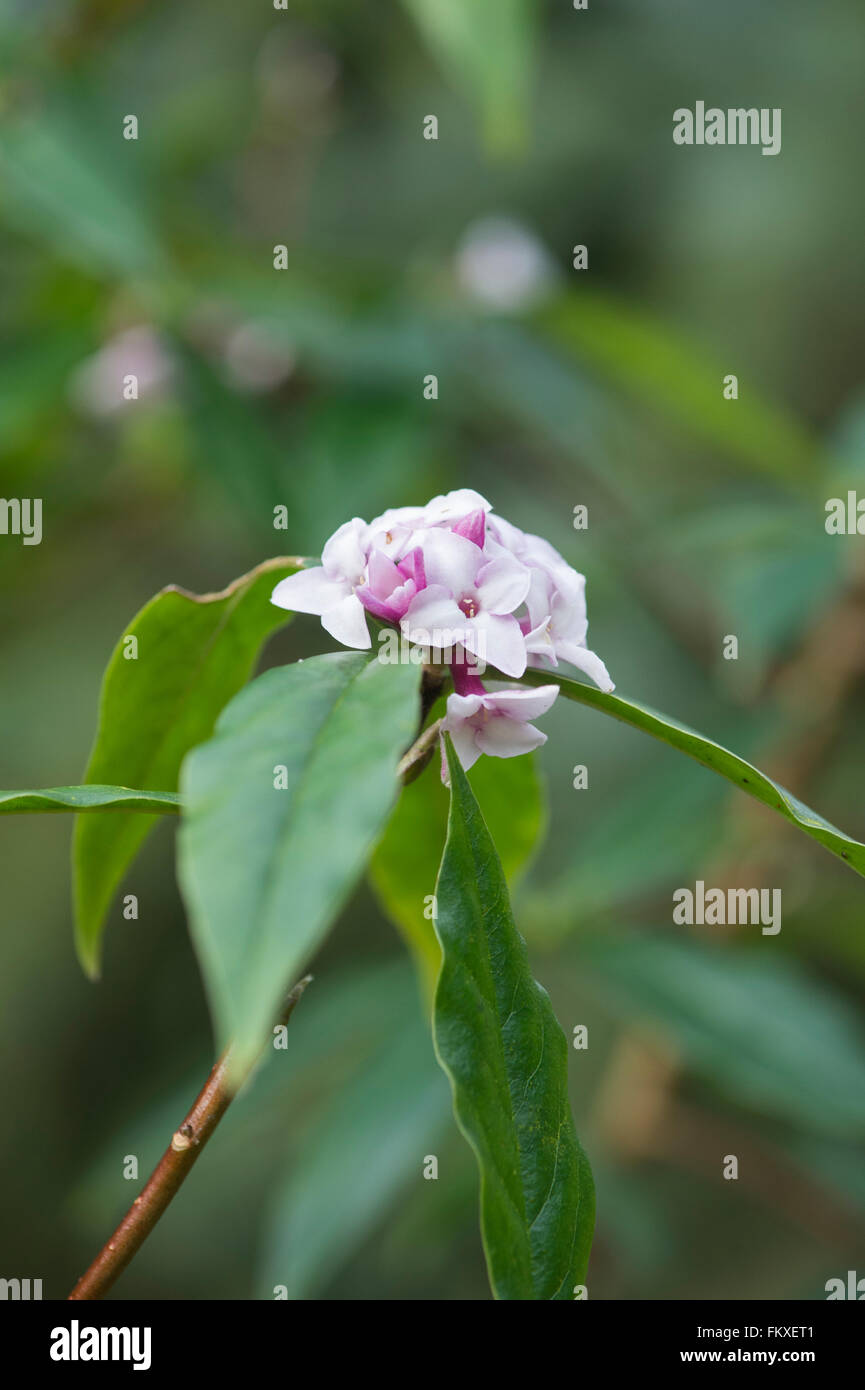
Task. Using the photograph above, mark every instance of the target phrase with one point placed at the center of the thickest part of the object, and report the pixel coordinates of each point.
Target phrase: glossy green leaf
(404, 867)
(499, 1041)
(193, 653)
(90, 798)
(282, 808)
(712, 755)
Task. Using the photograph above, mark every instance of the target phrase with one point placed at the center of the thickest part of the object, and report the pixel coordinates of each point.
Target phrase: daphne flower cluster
(471, 589)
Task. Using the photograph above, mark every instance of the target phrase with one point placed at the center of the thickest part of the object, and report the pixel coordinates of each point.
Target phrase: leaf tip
(89, 957)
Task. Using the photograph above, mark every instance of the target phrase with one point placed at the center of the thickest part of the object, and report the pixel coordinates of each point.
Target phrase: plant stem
(433, 681)
(412, 763)
(168, 1175)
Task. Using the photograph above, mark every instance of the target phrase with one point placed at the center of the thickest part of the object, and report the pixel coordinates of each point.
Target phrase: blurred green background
(303, 388)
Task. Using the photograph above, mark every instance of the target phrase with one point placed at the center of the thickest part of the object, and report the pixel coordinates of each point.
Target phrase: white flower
(329, 588)
(470, 599)
(496, 723)
(556, 624)
(452, 575)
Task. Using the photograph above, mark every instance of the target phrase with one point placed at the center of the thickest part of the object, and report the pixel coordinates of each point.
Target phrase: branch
(168, 1175)
(412, 763)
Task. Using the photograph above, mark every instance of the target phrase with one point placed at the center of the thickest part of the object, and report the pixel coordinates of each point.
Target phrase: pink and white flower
(495, 722)
(470, 599)
(329, 588)
(453, 575)
(390, 588)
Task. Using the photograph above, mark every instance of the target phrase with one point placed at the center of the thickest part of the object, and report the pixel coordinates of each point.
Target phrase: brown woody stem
(168, 1175)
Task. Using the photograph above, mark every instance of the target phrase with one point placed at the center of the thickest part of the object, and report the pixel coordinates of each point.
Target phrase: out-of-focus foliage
(303, 389)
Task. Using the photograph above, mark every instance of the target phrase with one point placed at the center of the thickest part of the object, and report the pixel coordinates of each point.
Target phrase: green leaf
(485, 46)
(63, 187)
(194, 653)
(370, 1142)
(763, 1032)
(90, 798)
(498, 1040)
(282, 808)
(404, 867)
(669, 372)
(713, 756)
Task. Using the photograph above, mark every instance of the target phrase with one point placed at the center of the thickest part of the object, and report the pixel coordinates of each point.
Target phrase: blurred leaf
(61, 190)
(650, 827)
(667, 372)
(776, 570)
(499, 1042)
(194, 652)
(91, 798)
(837, 1167)
(33, 382)
(486, 47)
(231, 439)
(334, 327)
(347, 1018)
(266, 868)
(766, 1035)
(712, 755)
(404, 867)
(369, 1143)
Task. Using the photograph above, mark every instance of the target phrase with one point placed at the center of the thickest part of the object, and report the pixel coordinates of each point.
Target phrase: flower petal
(390, 540)
(309, 591)
(397, 517)
(384, 576)
(450, 561)
(508, 535)
(502, 585)
(465, 747)
(344, 555)
(473, 527)
(522, 703)
(453, 505)
(586, 661)
(412, 566)
(508, 738)
(498, 641)
(347, 623)
(389, 609)
(463, 707)
(539, 643)
(433, 611)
